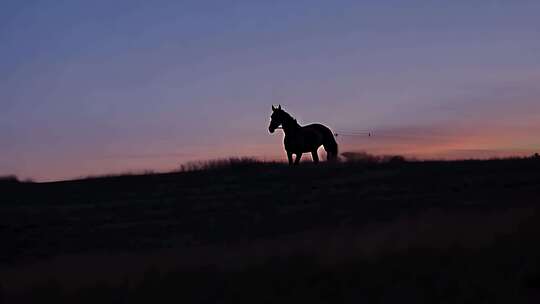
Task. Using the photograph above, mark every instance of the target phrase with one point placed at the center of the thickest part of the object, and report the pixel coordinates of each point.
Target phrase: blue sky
(91, 87)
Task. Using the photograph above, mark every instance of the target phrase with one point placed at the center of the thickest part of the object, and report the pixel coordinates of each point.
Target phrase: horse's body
(303, 139)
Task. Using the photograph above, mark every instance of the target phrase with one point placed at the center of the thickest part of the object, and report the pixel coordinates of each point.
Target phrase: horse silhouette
(303, 139)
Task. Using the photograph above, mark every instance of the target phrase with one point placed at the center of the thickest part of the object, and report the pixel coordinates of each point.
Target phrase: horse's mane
(289, 117)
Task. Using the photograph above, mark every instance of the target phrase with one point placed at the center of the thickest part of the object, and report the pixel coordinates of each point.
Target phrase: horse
(303, 139)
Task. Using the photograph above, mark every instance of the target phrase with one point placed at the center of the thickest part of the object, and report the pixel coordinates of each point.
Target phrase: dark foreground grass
(246, 231)
(420, 276)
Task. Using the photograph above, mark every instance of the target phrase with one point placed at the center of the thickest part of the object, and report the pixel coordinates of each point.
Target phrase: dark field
(393, 232)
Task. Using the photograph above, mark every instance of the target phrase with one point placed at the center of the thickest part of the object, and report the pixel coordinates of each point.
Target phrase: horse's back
(324, 130)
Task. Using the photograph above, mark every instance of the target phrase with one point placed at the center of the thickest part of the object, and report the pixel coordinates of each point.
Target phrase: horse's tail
(331, 147)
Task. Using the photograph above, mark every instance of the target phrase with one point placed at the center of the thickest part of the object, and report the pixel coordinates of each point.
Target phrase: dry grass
(375, 231)
(222, 163)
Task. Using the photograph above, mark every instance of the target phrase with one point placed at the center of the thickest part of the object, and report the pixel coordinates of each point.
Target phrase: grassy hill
(444, 232)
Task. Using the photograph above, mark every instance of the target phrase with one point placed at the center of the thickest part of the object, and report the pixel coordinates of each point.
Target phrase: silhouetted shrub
(360, 157)
(366, 158)
(9, 179)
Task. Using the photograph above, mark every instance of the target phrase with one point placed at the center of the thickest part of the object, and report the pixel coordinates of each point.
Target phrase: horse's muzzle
(271, 130)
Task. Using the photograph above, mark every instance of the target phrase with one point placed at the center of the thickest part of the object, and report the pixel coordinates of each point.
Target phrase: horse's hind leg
(331, 148)
(290, 157)
(297, 160)
(315, 156)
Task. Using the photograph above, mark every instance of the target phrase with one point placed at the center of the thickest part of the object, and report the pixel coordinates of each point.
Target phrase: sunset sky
(95, 87)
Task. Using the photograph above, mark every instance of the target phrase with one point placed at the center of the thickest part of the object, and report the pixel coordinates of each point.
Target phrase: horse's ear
(273, 109)
(279, 107)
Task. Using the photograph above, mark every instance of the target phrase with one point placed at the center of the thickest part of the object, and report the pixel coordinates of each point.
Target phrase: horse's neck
(291, 127)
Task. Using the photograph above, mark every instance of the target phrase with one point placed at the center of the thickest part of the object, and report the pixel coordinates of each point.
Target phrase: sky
(98, 87)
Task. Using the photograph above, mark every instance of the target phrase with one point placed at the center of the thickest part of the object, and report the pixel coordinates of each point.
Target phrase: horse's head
(276, 119)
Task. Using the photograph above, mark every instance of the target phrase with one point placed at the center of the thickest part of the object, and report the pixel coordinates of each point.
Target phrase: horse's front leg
(289, 156)
(297, 160)
(315, 156)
